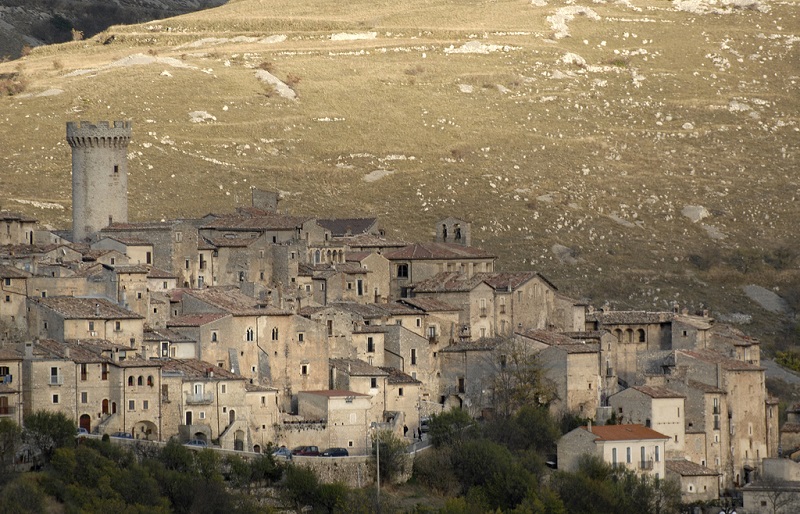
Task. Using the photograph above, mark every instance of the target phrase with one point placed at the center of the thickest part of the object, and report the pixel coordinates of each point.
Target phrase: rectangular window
(8, 298)
(104, 371)
(399, 391)
(461, 385)
(145, 404)
(304, 369)
(131, 404)
(300, 337)
(373, 382)
(613, 456)
(84, 372)
(91, 326)
(55, 398)
(84, 397)
(116, 168)
(370, 345)
(7, 281)
(330, 327)
(117, 326)
(628, 455)
(202, 414)
(55, 378)
(658, 456)
(413, 356)
(223, 388)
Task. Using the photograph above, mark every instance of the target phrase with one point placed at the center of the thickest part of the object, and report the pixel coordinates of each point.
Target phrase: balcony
(56, 380)
(646, 464)
(433, 339)
(8, 411)
(199, 399)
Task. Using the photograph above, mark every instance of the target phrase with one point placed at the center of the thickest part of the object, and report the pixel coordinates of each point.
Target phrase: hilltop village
(257, 327)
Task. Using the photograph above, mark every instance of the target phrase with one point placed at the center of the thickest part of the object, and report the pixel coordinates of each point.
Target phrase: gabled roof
(130, 268)
(71, 307)
(368, 241)
(510, 281)
(357, 368)
(398, 377)
(624, 433)
(429, 304)
(712, 357)
(196, 320)
(165, 334)
(235, 302)
(479, 345)
(194, 369)
(261, 222)
(448, 282)
(12, 272)
(15, 216)
(158, 273)
(348, 226)
(657, 392)
(127, 241)
(706, 388)
(437, 251)
(727, 334)
(687, 468)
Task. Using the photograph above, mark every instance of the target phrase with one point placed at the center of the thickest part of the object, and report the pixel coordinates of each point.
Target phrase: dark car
(197, 442)
(335, 452)
(306, 451)
(122, 435)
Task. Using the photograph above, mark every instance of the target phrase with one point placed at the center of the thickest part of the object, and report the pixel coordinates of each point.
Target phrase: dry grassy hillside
(638, 152)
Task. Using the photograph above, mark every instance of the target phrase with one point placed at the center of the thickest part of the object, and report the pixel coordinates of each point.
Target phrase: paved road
(775, 371)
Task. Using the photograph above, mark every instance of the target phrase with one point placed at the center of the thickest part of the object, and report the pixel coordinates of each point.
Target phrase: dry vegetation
(659, 146)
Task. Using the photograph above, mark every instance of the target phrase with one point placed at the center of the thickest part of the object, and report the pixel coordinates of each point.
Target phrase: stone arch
(641, 336)
(104, 408)
(238, 440)
(85, 422)
(629, 335)
(145, 430)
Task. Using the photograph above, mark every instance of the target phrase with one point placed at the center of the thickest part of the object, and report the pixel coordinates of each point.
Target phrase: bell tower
(99, 175)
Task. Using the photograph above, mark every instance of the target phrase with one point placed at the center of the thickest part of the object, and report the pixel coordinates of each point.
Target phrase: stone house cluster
(258, 327)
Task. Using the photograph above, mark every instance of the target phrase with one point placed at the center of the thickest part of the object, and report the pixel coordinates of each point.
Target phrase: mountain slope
(640, 152)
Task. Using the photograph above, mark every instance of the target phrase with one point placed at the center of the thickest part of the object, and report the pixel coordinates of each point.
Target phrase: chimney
(589, 426)
(97, 309)
(144, 352)
(115, 355)
(28, 349)
(66, 352)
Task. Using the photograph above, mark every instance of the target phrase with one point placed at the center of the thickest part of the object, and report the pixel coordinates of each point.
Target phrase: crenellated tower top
(100, 135)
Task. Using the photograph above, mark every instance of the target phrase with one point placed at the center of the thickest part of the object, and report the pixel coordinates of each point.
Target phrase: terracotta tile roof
(398, 377)
(429, 304)
(727, 334)
(89, 351)
(70, 307)
(10, 354)
(157, 273)
(195, 320)
(267, 221)
(687, 468)
(144, 225)
(369, 241)
(334, 393)
(132, 268)
(194, 369)
(129, 241)
(437, 251)
(15, 216)
(790, 428)
(511, 281)
(357, 368)
(399, 309)
(356, 256)
(165, 334)
(482, 344)
(255, 388)
(713, 357)
(448, 282)
(624, 433)
(235, 302)
(12, 272)
(706, 388)
(229, 242)
(348, 226)
(329, 270)
(658, 392)
(363, 310)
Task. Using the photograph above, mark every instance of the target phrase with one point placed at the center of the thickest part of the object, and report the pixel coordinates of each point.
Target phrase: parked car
(424, 425)
(81, 432)
(306, 451)
(122, 435)
(197, 442)
(335, 452)
(282, 453)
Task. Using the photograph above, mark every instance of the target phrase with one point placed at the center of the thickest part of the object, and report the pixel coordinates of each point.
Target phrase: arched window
(316, 257)
(150, 380)
(275, 334)
(402, 271)
(140, 381)
(130, 381)
(640, 336)
(618, 335)
(629, 335)
(213, 337)
(250, 336)
(444, 233)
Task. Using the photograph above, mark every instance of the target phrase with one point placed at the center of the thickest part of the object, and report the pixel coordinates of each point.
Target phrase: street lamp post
(377, 427)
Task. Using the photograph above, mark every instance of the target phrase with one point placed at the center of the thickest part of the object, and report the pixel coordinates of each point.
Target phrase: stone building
(634, 447)
(697, 483)
(16, 229)
(99, 175)
(11, 383)
(67, 317)
(655, 407)
(13, 300)
(345, 416)
(103, 386)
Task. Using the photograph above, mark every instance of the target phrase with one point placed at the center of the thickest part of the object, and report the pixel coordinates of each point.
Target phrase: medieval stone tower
(99, 175)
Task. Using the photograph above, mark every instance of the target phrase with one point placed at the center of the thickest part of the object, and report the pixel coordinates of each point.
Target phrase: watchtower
(454, 230)
(99, 175)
